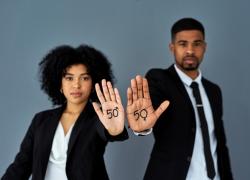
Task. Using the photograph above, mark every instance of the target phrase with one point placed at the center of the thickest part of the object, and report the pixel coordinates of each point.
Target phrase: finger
(134, 89)
(139, 86)
(99, 113)
(105, 90)
(99, 93)
(117, 96)
(129, 96)
(145, 88)
(98, 110)
(111, 91)
(161, 108)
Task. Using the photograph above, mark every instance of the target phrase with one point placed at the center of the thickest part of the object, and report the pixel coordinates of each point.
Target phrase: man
(189, 136)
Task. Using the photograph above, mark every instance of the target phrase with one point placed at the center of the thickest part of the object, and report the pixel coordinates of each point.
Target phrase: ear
(171, 47)
(205, 47)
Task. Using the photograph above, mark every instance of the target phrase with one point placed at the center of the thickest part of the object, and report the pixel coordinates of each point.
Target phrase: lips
(190, 60)
(76, 94)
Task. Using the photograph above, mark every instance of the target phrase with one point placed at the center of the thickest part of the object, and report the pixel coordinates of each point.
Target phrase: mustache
(190, 56)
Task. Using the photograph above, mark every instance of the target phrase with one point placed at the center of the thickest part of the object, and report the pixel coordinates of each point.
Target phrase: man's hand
(140, 112)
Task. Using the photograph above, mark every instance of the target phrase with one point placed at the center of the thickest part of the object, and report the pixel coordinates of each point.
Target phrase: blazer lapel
(177, 81)
(212, 100)
(47, 135)
(180, 86)
(80, 125)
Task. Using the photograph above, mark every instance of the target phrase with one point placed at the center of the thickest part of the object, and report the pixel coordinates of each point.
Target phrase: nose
(76, 83)
(190, 50)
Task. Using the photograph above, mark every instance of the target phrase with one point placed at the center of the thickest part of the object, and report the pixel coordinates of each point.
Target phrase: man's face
(188, 48)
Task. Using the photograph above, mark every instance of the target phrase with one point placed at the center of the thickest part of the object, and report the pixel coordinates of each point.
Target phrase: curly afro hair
(54, 65)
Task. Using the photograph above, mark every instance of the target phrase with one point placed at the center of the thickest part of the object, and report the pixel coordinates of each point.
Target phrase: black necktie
(204, 130)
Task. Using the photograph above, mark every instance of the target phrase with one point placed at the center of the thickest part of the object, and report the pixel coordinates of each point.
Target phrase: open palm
(111, 111)
(140, 112)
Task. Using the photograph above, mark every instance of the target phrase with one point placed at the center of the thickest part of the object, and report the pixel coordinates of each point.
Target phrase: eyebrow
(69, 74)
(199, 40)
(184, 41)
(181, 41)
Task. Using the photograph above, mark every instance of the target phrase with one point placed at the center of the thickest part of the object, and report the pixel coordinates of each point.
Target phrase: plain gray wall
(134, 34)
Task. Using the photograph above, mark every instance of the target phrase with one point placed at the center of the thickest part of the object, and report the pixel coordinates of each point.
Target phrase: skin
(112, 113)
(188, 47)
(139, 101)
(77, 86)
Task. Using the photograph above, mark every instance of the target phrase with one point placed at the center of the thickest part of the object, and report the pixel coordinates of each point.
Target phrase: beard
(190, 63)
(190, 67)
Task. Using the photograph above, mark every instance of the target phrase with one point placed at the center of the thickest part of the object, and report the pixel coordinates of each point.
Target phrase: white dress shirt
(197, 169)
(58, 155)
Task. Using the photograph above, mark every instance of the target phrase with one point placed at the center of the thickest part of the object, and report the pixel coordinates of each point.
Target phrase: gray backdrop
(134, 34)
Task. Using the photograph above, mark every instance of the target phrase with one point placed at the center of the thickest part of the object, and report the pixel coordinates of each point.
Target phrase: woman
(68, 142)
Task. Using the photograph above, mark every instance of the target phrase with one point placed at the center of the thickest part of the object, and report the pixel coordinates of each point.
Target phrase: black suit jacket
(85, 149)
(174, 131)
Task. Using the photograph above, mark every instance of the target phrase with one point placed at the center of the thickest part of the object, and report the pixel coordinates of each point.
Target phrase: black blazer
(174, 131)
(85, 150)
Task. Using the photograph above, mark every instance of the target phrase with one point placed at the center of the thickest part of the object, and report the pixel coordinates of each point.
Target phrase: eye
(85, 78)
(68, 78)
(182, 43)
(198, 43)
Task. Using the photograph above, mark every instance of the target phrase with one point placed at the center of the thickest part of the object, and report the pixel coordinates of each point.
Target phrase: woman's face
(76, 84)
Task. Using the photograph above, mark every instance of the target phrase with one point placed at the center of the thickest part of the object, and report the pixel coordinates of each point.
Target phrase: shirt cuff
(143, 133)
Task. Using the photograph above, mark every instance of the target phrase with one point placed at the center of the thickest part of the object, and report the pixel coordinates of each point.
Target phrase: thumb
(164, 105)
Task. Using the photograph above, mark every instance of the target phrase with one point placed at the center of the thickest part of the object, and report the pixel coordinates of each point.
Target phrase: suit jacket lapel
(179, 84)
(212, 100)
(80, 125)
(47, 135)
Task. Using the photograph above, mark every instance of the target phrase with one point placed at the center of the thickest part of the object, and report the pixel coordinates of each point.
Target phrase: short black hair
(54, 65)
(186, 24)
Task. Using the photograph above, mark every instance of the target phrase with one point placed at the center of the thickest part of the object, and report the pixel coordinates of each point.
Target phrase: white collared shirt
(58, 155)
(197, 169)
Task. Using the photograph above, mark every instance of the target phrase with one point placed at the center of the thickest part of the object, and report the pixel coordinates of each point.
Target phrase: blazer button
(193, 130)
(189, 158)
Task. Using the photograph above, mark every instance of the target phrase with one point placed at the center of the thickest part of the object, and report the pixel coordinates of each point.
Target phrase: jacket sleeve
(224, 161)
(223, 158)
(21, 168)
(107, 137)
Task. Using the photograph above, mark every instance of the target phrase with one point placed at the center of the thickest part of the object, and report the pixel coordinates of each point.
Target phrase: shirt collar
(186, 79)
